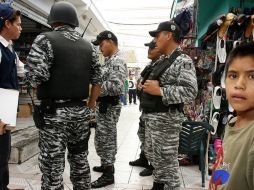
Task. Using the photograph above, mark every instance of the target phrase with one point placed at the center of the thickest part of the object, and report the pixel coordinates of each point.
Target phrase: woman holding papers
(10, 29)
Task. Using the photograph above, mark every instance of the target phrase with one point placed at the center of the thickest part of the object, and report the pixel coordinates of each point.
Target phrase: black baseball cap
(6, 12)
(166, 26)
(151, 44)
(105, 35)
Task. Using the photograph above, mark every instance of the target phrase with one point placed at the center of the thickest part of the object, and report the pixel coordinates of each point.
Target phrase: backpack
(184, 21)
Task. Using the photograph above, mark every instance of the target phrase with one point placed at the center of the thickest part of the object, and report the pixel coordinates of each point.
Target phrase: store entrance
(22, 46)
(30, 29)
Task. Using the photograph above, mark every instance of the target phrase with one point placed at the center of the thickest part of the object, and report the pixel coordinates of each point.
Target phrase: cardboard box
(25, 110)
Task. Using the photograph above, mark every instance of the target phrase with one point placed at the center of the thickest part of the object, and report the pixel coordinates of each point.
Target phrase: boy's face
(240, 84)
(14, 28)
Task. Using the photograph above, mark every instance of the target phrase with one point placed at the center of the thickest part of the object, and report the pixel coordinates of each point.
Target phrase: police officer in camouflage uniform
(109, 107)
(62, 65)
(153, 54)
(171, 83)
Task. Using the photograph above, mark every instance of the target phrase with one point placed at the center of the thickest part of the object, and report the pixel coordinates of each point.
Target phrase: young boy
(10, 28)
(234, 166)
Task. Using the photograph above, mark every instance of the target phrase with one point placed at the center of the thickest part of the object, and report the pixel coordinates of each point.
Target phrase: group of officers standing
(62, 65)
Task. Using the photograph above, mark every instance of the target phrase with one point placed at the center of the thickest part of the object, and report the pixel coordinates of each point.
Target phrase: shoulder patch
(116, 68)
(187, 66)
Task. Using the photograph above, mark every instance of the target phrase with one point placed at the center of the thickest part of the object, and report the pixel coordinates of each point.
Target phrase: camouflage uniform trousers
(105, 139)
(161, 146)
(67, 129)
(141, 131)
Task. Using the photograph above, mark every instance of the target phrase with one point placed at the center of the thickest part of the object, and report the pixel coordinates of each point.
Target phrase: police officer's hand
(2, 128)
(139, 86)
(152, 87)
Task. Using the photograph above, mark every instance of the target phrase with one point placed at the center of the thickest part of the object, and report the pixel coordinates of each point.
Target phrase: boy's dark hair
(16, 13)
(243, 50)
(12, 18)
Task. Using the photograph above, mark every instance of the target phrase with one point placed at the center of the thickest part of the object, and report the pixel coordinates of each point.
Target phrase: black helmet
(63, 12)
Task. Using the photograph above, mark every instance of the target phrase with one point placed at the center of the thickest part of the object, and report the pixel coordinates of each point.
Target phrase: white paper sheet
(9, 106)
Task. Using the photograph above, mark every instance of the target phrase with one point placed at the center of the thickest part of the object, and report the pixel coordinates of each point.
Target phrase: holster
(112, 100)
(105, 101)
(103, 107)
(46, 107)
(38, 117)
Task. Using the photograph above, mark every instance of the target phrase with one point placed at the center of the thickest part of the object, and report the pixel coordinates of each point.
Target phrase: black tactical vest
(151, 103)
(70, 71)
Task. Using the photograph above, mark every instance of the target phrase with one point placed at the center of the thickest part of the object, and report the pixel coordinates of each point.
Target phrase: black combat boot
(158, 186)
(107, 178)
(141, 161)
(147, 171)
(99, 168)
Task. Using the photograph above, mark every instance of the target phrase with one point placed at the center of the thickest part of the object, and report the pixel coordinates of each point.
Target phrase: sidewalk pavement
(27, 175)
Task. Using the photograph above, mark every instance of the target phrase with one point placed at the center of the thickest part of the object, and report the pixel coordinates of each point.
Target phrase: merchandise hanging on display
(226, 32)
(230, 29)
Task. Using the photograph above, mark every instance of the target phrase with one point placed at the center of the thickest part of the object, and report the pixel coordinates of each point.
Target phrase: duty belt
(49, 106)
(113, 100)
(71, 103)
(172, 107)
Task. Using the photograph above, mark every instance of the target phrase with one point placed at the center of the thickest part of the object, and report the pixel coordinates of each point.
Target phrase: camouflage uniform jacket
(114, 75)
(178, 84)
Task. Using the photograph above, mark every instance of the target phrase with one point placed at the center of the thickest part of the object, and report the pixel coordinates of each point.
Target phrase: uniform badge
(187, 66)
(116, 68)
(173, 27)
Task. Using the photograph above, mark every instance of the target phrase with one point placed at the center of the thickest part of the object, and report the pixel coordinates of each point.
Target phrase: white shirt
(132, 84)
(19, 64)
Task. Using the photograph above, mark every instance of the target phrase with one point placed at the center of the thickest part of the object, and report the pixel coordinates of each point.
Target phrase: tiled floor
(27, 175)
